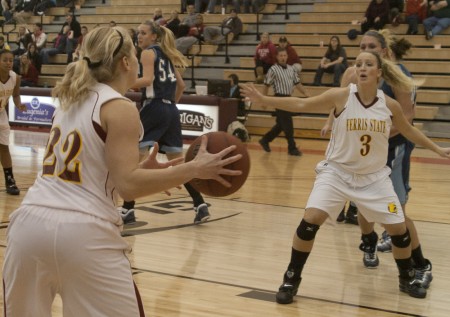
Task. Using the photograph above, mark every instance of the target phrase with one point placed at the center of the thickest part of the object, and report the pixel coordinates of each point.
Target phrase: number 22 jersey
(74, 173)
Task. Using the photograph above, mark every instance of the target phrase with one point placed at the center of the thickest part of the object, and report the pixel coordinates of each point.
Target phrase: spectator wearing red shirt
(265, 57)
(416, 12)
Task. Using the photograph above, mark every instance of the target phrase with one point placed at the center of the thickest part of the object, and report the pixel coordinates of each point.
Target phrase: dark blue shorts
(161, 122)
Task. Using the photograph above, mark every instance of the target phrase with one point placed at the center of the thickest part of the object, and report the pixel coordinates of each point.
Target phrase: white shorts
(4, 128)
(76, 255)
(373, 194)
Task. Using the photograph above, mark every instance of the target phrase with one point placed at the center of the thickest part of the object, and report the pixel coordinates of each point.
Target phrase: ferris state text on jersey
(364, 124)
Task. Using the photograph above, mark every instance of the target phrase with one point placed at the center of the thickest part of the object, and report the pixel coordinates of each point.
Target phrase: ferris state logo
(195, 121)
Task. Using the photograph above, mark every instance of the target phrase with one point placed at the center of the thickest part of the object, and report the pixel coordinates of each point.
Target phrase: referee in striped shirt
(283, 78)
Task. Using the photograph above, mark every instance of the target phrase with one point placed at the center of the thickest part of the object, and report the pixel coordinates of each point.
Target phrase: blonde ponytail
(100, 52)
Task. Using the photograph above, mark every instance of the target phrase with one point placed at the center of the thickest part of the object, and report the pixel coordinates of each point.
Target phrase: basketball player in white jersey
(9, 86)
(355, 166)
(65, 237)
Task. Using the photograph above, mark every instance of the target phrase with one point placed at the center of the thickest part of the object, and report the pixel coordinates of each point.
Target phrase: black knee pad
(307, 231)
(401, 241)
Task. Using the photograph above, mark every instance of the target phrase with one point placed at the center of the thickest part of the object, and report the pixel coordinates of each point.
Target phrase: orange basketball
(217, 141)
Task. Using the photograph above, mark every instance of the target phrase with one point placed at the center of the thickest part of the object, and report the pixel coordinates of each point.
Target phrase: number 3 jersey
(359, 139)
(74, 173)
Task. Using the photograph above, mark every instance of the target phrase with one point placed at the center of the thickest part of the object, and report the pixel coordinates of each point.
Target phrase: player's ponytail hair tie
(90, 64)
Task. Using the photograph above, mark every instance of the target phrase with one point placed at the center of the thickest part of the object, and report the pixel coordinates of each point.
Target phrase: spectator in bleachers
(173, 22)
(236, 5)
(76, 53)
(395, 8)
(59, 47)
(28, 72)
(24, 10)
(334, 62)
(39, 37)
(24, 37)
(3, 44)
(184, 41)
(112, 24)
(293, 58)
(265, 57)
(376, 16)
(439, 19)
(72, 39)
(34, 56)
(415, 12)
(8, 8)
(158, 17)
(198, 28)
(230, 25)
(44, 5)
(189, 19)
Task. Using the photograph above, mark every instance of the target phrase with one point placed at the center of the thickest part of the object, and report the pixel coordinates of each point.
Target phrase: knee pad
(307, 231)
(402, 240)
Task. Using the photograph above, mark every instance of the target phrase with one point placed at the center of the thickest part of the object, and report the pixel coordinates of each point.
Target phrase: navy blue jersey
(398, 138)
(165, 83)
(388, 89)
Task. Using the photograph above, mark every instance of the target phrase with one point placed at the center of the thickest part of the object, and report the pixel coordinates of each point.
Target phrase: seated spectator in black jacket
(334, 62)
(173, 22)
(376, 16)
(72, 39)
(231, 25)
(58, 48)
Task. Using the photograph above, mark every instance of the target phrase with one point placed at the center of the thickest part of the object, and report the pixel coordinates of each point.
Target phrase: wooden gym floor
(233, 264)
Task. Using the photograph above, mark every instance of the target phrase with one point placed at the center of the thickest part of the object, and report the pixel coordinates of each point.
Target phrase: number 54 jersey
(74, 173)
(359, 138)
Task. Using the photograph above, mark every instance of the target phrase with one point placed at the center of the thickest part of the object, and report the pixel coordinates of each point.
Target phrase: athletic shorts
(373, 194)
(4, 128)
(161, 122)
(76, 255)
(399, 160)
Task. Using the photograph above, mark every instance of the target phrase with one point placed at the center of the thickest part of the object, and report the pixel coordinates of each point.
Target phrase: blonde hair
(166, 39)
(393, 75)
(384, 37)
(100, 52)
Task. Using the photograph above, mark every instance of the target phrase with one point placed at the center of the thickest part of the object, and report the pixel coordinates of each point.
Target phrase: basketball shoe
(385, 243)
(352, 215)
(201, 213)
(370, 258)
(423, 274)
(11, 187)
(412, 286)
(127, 215)
(289, 288)
(341, 216)
(264, 145)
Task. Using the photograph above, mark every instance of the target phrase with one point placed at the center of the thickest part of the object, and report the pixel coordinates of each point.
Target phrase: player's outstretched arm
(412, 133)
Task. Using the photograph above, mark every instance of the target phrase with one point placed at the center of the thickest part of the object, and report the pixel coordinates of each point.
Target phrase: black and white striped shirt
(283, 79)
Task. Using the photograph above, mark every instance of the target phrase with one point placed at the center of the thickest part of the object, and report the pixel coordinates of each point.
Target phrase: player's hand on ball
(152, 163)
(211, 166)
